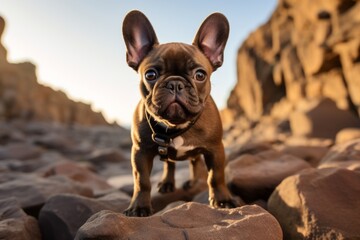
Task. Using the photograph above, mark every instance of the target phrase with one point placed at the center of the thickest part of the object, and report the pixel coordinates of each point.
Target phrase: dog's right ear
(139, 37)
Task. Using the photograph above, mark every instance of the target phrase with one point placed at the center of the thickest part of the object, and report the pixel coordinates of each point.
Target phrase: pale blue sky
(78, 47)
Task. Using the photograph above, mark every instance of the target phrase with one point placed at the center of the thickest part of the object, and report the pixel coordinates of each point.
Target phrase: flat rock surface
(192, 221)
(256, 176)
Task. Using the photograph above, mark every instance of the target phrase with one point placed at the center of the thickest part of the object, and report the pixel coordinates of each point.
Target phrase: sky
(78, 47)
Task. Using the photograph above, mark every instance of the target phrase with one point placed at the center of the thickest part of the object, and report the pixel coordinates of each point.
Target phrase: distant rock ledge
(22, 97)
(297, 74)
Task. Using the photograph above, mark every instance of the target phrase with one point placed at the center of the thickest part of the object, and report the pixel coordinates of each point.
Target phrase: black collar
(163, 135)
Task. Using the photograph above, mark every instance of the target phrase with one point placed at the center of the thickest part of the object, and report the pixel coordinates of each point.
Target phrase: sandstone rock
(3, 52)
(250, 148)
(311, 142)
(19, 151)
(347, 134)
(110, 155)
(55, 141)
(311, 154)
(254, 177)
(15, 224)
(324, 120)
(227, 117)
(343, 152)
(351, 165)
(301, 203)
(307, 51)
(161, 200)
(32, 191)
(22, 97)
(121, 181)
(78, 174)
(189, 221)
(64, 214)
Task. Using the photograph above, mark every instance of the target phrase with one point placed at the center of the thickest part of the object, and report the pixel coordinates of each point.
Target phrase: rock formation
(22, 97)
(308, 52)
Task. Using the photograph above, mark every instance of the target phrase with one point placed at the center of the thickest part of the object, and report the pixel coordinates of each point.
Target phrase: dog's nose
(175, 86)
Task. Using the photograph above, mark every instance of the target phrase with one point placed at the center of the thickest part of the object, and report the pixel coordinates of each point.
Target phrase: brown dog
(176, 117)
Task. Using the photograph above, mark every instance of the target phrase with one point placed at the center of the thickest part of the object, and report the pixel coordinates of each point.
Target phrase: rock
(188, 221)
(64, 214)
(227, 117)
(347, 134)
(22, 97)
(78, 174)
(311, 154)
(324, 120)
(250, 148)
(3, 52)
(120, 180)
(32, 191)
(343, 152)
(318, 204)
(255, 177)
(20, 151)
(110, 155)
(15, 224)
(161, 200)
(306, 52)
(55, 141)
(351, 165)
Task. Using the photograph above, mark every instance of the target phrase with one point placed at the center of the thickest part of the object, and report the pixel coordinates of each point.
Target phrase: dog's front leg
(219, 195)
(167, 183)
(141, 201)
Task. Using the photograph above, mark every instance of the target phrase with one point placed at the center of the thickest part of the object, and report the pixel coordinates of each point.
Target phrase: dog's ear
(139, 37)
(211, 38)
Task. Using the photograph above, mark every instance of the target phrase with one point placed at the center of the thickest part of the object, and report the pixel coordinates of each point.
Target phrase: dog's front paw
(227, 203)
(138, 212)
(166, 187)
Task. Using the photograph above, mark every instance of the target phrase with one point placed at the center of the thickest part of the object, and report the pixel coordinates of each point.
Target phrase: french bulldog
(176, 117)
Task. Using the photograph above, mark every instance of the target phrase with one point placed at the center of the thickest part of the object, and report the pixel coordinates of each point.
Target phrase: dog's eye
(200, 75)
(151, 75)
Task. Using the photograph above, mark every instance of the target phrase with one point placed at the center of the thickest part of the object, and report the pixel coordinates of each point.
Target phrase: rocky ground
(292, 137)
(54, 178)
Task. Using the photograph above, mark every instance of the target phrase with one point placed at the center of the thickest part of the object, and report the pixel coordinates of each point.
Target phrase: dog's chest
(181, 148)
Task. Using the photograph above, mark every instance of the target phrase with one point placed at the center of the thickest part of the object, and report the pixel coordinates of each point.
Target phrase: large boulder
(318, 204)
(192, 221)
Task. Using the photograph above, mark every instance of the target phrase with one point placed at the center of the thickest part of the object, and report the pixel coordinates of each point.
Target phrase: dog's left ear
(211, 38)
(139, 36)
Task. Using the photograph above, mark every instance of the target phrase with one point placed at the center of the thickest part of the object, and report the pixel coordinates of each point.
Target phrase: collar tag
(161, 139)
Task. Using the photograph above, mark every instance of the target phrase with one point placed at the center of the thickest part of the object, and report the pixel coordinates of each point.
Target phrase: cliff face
(307, 50)
(22, 97)
(300, 70)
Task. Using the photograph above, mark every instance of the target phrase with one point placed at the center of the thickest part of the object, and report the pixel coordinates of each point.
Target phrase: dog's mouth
(175, 112)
